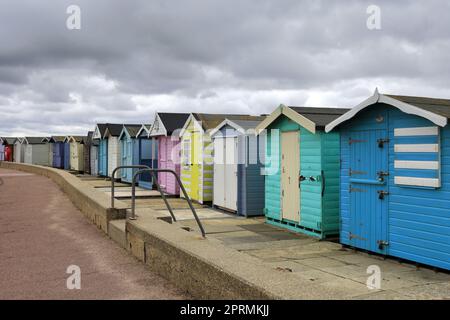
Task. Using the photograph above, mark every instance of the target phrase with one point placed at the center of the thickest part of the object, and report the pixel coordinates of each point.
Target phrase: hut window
(417, 157)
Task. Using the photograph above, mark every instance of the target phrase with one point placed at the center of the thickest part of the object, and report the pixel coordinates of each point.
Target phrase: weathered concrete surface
(94, 204)
(42, 233)
(247, 259)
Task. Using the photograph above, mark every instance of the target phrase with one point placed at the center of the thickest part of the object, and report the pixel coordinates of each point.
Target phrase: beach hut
(35, 151)
(87, 152)
(238, 184)
(395, 177)
(46, 140)
(66, 153)
(147, 155)
(102, 149)
(93, 154)
(76, 147)
(196, 163)
(7, 149)
(129, 148)
(18, 153)
(165, 130)
(302, 170)
(58, 151)
(111, 135)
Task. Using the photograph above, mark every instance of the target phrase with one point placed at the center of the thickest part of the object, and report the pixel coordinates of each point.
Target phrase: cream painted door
(290, 170)
(231, 166)
(219, 172)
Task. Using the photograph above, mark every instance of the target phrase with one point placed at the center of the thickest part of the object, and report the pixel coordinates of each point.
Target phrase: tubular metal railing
(113, 177)
(155, 179)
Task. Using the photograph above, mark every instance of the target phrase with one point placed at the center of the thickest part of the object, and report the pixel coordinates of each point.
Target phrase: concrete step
(116, 231)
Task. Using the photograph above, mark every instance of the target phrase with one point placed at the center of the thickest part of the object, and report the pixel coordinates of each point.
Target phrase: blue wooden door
(145, 158)
(369, 189)
(103, 157)
(66, 156)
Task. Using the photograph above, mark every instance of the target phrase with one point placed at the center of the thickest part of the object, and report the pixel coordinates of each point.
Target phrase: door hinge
(381, 175)
(382, 194)
(381, 142)
(382, 244)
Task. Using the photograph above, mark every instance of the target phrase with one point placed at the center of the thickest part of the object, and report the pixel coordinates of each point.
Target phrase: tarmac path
(42, 233)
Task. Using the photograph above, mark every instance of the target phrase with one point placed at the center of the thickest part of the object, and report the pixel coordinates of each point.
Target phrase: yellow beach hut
(197, 160)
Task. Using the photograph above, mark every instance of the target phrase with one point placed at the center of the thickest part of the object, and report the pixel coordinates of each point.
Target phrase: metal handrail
(153, 171)
(113, 178)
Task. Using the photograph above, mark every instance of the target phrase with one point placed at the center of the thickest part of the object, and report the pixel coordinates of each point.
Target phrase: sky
(131, 58)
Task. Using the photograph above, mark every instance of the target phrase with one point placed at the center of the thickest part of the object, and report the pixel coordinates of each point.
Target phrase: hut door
(231, 186)
(368, 189)
(219, 172)
(196, 164)
(290, 169)
(163, 148)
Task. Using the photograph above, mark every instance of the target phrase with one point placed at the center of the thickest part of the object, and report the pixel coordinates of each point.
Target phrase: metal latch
(382, 244)
(382, 194)
(381, 142)
(381, 175)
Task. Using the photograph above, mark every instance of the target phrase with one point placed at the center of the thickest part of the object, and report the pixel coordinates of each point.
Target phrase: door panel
(290, 169)
(368, 212)
(231, 173)
(219, 172)
(195, 164)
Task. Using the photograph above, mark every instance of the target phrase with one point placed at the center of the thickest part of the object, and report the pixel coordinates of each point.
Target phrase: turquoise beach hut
(302, 170)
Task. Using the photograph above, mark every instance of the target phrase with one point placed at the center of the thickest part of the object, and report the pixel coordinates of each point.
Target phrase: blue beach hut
(129, 148)
(102, 149)
(395, 178)
(148, 155)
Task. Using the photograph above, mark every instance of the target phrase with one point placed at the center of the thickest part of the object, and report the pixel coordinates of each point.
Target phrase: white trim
(124, 131)
(419, 182)
(162, 131)
(291, 114)
(143, 127)
(423, 165)
(377, 97)
(96, 134)
(416, 147)
(418, 131)
(224, 123)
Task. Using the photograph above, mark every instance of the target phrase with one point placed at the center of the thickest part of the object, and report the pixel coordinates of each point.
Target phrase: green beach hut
(302, 170)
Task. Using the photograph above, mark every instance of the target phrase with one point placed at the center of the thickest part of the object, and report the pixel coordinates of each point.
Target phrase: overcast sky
(131, 58)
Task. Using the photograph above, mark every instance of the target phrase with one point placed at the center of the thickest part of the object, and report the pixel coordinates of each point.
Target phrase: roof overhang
(291, 114)
(143, 129)
(230, 123)
(196, 123)
(124, 132)
(380, 98)
(160, 130)
(97, 134)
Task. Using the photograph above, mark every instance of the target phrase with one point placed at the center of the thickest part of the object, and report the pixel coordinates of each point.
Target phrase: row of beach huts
(376, 175)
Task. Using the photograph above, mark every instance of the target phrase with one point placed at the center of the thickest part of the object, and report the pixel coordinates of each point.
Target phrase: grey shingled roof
(8, 140)
(173, 121)
(35, 140)
(437, 106)
(133, 129)
(57, 138)
(210, 121)
(320, 116)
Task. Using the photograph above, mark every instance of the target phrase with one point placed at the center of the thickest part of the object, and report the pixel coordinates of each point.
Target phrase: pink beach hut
(165, 130)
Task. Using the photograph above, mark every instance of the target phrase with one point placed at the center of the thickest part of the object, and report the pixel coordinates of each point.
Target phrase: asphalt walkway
(42, 234)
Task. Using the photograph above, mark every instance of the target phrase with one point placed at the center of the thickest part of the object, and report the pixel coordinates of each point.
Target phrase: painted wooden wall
(58, 155)
(76, 156)
(94, 160)
(319, 213)
(418, 218)
(2, 152)
(197, 150)
(18, 152)
(113, 154)
(103, 157)
(129, 149)
(36, 154)
(168, 158)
